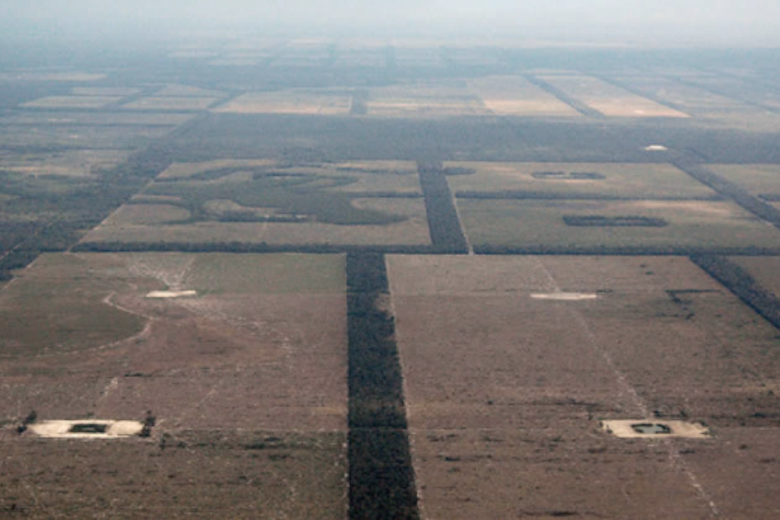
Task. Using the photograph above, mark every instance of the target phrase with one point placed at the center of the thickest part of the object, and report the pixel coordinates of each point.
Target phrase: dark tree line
(443, 222)
(381, 476)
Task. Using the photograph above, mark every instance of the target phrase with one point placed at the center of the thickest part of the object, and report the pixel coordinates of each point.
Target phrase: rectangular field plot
(171, 103)
(516, 96)
(568, 180)
(73, 102)
(251, 341)
(180, 91)
(206, 474)
(105, 91)
(255, 202)
(765, 270)
(612, 226)
(424, 100)
(95, 118)
(79, 136)
(314, 101)
(610, 100)
(505, 391)
(74, 163)
(761, 180)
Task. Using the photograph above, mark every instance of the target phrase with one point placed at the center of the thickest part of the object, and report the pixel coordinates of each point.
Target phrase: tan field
(363, 176)
(72, 102)
(96, 118)
(104, 91)
(322, 102)
(510, 425)
(171, 103)
(516, 96)
(610, 100)
(424, 100)
(540, 225)
(758, 179)
(72, 163)
(178, 91)
(765, 270)
(222, 372)
(411, 231)
(610, 179)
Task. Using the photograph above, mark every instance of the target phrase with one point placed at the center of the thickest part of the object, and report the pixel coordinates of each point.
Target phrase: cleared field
(49, 137)
(759, 179)
(234, 356)
(246, 379)
(408, 226)
(171, 103)
(765, 270)
(72, 102)
(75, 77)
(105, 91)
(299, 101)
(95, 118)
(610, 100)
(699, 102)
(203, 474)
(535, 225)
(73, 163)
(572, 180)
(352, 177)
(264, 202)
(516, 96)
(178, 91)
(509, 425)
(430, 99)
(694, 99)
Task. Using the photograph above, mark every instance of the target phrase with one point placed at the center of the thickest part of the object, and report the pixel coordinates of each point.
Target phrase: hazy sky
(723, 22)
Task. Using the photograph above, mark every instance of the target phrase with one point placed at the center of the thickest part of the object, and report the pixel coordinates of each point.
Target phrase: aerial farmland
(264, 276)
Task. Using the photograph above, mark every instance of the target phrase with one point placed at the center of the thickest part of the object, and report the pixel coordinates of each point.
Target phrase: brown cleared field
(323, 102)
(413, 230)
(610, 100)
(516, 96)
(171, 103)
(424, 100)
(195, 474)
(573, 180)
(247, 381)
(765, 270)
(72, 102)
(74, 163)
(509, 426)
(540, 225)
(758, 179)
(234, 356)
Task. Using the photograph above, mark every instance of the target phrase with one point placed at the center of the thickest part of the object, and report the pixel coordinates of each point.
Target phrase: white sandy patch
(61, 429)
(564, 296)
(171, 294)
(625, 429)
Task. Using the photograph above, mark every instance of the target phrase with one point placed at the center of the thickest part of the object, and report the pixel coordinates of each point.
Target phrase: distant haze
(718, 23)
